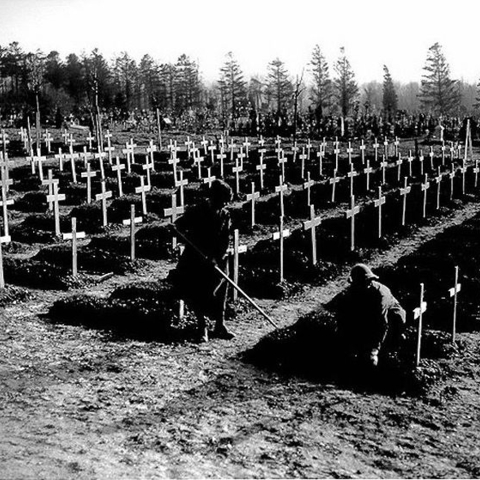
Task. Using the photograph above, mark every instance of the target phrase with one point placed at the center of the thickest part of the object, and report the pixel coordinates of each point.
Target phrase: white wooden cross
(261, 167)
(309, 148)
(66, 137)
(71, 141)
(241, 156)
(89, 174)
(3, 239)
(333, 182)
(278, 143)
(453, 293)
(235, 251)
(378, 204)
(209, 178)
(418, 313)
(410, 160)
(385, 144)
(132, 221)
(282, 160)
(148, 166)
(443, 148)
(4, 141)
(132, 146)
(307, 186)
(55, 198)
(60, 157)
(151, 149)
(100, 156)
(451, 176)
(127, 153)
(5, 164)
(383, 166)
(180, 184)
(246, 144)
(109, 149)
(72, 157)
(336, 151)
(50, 183)
(399, 162)
(404, 192)
(39, 159)
(85, 155)
(252, 197)
(4, 204)
(103, 197)
(397, 144)
(205, 145)
(261, 141)
(476, 171)
(198, 161)
(311, 225)
(421, 159)
(280, 235)
(375, 149)
(349, 151)
(74, 236)
(425, 186)
(143, 189)
(232, 149)
(362, 150)
(118, 167)
(48, 140)
(354, 210)
(212, 149)
(172, 214)
(431, 155)
(351, 175)
(320, 155)
(302, 158)
(438, 181)
(90, 139)
(367, 171)
(280, 188)
(463, 171)
(294, 151)
(221, 156)
(236, 170)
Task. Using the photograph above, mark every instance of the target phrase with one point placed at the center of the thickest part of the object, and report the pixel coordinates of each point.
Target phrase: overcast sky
(373, 32)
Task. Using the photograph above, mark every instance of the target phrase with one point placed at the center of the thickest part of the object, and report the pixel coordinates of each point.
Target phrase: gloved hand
(374, 357)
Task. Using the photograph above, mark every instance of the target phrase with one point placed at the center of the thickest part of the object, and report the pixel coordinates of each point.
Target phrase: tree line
(82, 86)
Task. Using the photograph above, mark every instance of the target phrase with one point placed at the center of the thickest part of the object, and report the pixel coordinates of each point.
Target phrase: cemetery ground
(79, 401)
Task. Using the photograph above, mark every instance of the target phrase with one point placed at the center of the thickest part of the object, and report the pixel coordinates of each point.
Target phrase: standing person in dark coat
(370, 317)
(204, 290)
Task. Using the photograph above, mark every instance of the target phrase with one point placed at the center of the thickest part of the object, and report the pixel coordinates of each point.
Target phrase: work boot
(202, 335)
(221, 331)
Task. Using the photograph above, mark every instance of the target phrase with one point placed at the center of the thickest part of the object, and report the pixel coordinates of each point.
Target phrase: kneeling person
(370, 317)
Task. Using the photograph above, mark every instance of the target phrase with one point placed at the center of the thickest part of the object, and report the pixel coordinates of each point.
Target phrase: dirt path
(77, 403)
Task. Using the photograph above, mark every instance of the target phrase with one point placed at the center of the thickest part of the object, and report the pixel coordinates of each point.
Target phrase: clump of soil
(38, 274)
(10, 295)
(146, 310)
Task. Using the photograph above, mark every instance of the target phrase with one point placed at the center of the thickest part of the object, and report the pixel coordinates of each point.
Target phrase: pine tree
(439, 93)
(232, 86)
(187, 84)
(346, 89)
(390, 99)
(322, 85)
(279, 87)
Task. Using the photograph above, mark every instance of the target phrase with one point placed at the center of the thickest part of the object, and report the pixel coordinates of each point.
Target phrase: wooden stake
(55, 198)
(103, 197)
(235, 251)
(453, 293)
(354, 210)
(143, 189)
(378, 204)
(280, 235)
(311, 225)
(74, 236)
(404, 192)
(252, 197)
(132, 221)
(418, 313)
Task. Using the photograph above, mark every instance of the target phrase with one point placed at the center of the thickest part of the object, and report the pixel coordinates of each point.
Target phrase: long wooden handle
(226, 277)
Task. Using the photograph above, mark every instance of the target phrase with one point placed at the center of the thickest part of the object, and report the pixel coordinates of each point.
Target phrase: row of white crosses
(422, 308)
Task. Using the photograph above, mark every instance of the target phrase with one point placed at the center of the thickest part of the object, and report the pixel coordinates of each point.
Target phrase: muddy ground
(83, 404)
